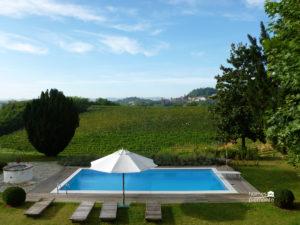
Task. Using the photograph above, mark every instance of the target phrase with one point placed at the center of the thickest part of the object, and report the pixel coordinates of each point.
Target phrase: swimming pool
(159, 180)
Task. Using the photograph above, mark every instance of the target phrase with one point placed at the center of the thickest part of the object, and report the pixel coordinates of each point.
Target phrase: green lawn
(185, 214)
(267, 175)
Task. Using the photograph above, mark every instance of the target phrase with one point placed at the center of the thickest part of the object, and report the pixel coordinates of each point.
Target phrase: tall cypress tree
(50, 122)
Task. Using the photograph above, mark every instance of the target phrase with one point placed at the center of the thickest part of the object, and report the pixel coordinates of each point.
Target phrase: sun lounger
(153, 211)
(109, 211)
(37, 208)
(82, 211)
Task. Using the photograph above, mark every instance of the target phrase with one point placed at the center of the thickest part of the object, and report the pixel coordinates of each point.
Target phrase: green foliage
(104, 101)
(14, 196)
(82, 104)
(284, 199)
(2, 164)
(50, 122)
(243, 93)
(11, 117)
(205, 92)
(191, 159)
(245, 154)
(145, 130)
(83, 160)
(283, 54)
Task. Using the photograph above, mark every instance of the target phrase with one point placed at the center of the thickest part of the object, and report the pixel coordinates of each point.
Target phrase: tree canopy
(243, 92)
(283, 55)
(205, 92)
(50, 122)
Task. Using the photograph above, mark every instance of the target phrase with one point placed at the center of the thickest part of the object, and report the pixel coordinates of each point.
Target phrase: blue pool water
(150, 180)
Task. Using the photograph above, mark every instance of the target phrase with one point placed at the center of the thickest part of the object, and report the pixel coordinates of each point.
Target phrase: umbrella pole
(123, 177)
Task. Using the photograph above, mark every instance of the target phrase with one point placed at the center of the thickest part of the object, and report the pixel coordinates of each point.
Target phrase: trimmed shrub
(14, 196)
(192, 159)
(284, 199)
(2, 164)
(83, 160)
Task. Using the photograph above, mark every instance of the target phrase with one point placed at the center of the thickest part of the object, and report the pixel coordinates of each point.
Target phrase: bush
(82, 104)
(83, 160)
(248, 154)
(191, 159)
(2, 164)
(284, 199)
(14, 196)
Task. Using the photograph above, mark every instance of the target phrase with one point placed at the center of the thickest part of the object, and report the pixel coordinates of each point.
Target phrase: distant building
(197, 99)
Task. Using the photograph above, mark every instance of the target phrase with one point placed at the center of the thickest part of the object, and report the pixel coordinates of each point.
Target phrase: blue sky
(118, 48)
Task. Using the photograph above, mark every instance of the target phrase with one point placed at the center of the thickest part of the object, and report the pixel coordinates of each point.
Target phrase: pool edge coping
(230, 188)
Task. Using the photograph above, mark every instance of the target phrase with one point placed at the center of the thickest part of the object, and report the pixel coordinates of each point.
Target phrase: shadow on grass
(296, 206)
(123, 215)
(50, 212)
(167, 215)
(215, 212)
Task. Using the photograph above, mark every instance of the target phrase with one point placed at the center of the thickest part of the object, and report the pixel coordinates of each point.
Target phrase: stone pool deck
(43, 188)
(41, 171)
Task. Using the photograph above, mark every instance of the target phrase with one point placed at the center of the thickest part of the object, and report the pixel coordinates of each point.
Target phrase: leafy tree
(82, 104)
(104, 101)
(243, 92)
(283, 54)
(50, 122)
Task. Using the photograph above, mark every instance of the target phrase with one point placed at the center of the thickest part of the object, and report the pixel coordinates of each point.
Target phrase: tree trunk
(243, 143)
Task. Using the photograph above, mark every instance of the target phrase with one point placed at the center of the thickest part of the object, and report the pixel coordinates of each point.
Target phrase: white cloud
(124, 11)
(76, 46)
(255, 3)
(239, 16)
(123, 44)
(134, 27)
(20, 43)
(50, 8)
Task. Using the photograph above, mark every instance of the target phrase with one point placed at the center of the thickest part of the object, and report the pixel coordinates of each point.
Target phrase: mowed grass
(145, 130)
(271, 175)
(177, 214)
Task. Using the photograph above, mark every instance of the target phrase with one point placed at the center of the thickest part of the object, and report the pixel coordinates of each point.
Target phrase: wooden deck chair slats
(82, 211)
(153, 211)
(109, 211)
(37, 208)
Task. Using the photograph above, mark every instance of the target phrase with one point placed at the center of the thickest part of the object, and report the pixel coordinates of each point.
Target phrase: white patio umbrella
(122, 161)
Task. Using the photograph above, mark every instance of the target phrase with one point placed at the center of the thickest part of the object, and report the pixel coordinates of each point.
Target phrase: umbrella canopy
(122, 161)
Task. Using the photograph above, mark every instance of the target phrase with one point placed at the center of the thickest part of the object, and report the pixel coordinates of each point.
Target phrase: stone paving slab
(41, 171)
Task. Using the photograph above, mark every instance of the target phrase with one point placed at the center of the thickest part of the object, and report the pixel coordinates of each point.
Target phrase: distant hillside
(202, 92)
(137, 101)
